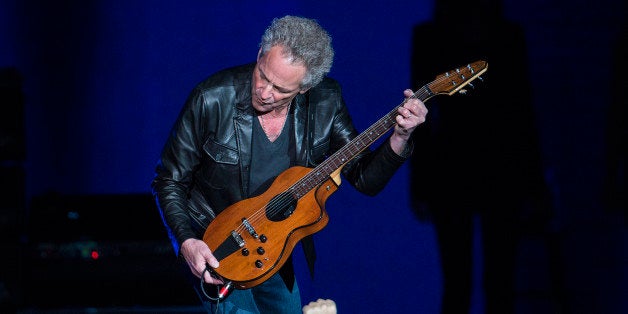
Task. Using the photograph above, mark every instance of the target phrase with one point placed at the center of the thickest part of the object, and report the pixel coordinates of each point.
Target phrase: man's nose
(267, 91)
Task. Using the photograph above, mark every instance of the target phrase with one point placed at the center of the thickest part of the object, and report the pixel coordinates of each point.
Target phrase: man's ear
(303, 91)
(259, 54)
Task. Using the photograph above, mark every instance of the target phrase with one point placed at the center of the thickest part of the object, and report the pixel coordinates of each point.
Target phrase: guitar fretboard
(323, 171)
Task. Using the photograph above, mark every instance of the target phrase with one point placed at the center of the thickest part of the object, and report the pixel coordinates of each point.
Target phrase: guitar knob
(260, 250)
(263, 238)
(245, 252)
(259, 264)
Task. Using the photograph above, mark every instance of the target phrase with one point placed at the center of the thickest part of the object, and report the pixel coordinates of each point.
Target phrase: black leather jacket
(204, 166)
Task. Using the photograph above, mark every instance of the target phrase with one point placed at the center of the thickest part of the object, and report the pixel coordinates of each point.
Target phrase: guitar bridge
(249, 228)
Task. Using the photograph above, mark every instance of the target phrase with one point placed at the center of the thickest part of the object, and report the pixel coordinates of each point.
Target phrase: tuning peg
(470, 69)
(471, 84)
(463, 91)
(481, 78)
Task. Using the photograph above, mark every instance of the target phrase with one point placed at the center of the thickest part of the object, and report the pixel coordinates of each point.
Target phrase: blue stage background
(104, 80)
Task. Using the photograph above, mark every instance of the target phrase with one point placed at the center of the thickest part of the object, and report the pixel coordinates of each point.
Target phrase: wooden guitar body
(256, 253)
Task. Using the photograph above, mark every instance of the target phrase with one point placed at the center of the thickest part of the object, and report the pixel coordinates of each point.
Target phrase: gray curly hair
(305, 42)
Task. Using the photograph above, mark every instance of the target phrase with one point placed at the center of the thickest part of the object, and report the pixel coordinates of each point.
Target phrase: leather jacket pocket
(222, 165)
(199, 211)
(221, 153)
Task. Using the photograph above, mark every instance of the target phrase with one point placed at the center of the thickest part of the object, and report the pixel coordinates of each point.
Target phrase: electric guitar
(254, 237)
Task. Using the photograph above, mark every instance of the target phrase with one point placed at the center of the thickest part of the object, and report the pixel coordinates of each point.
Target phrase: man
(242, 127)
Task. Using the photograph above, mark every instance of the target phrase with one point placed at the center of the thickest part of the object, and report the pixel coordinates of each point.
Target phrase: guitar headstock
(455, 80)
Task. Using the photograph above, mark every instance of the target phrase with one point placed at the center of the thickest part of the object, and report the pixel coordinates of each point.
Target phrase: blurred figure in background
(479, 157)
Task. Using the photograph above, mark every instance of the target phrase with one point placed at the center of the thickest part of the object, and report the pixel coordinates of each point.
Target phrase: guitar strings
(423, 94)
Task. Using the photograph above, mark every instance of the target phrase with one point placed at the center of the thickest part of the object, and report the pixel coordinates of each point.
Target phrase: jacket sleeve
(370, 171)
(174, 172)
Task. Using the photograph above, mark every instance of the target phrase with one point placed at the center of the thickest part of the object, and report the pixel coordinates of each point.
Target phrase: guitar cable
(221, 291)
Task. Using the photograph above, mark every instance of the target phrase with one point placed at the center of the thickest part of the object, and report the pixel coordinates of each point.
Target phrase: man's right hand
(198, 255)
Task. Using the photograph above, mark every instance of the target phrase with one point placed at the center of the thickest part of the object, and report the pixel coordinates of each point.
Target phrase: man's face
(276, 81)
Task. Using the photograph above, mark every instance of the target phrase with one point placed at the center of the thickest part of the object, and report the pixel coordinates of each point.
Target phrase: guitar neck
(322, 172)
(447, 83)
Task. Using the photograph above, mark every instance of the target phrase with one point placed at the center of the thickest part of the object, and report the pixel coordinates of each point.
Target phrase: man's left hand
(411, 114)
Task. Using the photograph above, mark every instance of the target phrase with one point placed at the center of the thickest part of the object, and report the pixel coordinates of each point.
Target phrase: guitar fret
(327, 170)
(351, 149)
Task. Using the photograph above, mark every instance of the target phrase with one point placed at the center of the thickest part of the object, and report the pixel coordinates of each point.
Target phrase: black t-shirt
(269, 158)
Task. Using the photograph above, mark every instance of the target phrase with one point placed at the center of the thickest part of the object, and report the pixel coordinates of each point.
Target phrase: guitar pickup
(249, 228)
